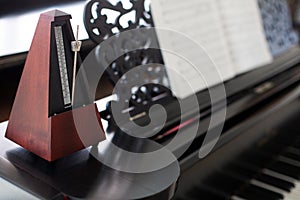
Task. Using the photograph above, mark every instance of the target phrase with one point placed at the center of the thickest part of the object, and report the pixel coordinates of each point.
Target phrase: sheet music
(199, 21)
(245, 34)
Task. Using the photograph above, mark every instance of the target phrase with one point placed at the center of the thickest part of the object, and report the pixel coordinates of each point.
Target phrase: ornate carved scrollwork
(96, 19)
(104, 19)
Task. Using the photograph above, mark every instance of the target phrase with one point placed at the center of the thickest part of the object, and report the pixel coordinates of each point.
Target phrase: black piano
(256, 157)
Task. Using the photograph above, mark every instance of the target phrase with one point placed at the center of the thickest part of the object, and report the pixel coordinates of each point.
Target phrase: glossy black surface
(82, 176)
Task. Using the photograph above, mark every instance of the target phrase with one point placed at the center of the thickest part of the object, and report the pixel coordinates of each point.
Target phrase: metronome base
(66, 133)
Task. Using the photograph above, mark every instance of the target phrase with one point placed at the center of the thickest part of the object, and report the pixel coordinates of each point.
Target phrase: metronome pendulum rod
(76, 45)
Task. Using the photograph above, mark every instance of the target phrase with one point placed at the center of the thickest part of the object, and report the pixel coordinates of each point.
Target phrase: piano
(256, 157)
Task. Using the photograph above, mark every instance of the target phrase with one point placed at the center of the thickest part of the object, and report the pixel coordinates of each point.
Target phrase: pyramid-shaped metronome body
(39, 122)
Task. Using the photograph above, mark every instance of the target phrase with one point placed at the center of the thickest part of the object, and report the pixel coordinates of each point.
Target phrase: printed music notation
(224, 39)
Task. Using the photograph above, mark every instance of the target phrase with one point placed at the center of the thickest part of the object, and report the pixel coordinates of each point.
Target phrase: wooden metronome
(42, 117)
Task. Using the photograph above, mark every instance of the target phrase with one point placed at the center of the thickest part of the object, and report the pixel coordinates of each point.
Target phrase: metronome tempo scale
(62, 66)
(42, 117)
(76, 45)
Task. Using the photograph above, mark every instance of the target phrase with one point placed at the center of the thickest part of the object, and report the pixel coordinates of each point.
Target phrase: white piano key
(293, 195)
(278, 175)
(294, 150)
(237, 198)
(268, 187)
(289, 161)
(295, 192)
(287, 198)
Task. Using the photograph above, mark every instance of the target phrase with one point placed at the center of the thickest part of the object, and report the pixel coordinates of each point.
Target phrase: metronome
(42, 117)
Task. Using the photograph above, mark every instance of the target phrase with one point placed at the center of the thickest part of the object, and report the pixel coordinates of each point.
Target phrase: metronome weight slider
(76, 45)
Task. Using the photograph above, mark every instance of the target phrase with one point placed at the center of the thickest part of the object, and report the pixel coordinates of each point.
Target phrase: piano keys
(270, 169)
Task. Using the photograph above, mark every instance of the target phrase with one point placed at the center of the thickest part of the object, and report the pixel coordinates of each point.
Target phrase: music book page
(244, 33)
(205, 35)
(194, 45)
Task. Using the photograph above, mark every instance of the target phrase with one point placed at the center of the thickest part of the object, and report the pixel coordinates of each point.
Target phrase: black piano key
(255, 192)
(242, 171)
(296, 142)
(247, 168)
(276, 182)
(250, 166)
(274, 148)
(254, 173)
(286, 169)
(203, 192)
(185, 198)
(296, 146)
(283, 140)
(293, 150)
(255, 158)
(224, 183)
(291, 156)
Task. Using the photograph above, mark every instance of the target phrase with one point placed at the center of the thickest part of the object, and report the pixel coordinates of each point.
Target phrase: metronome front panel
(61, 70)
